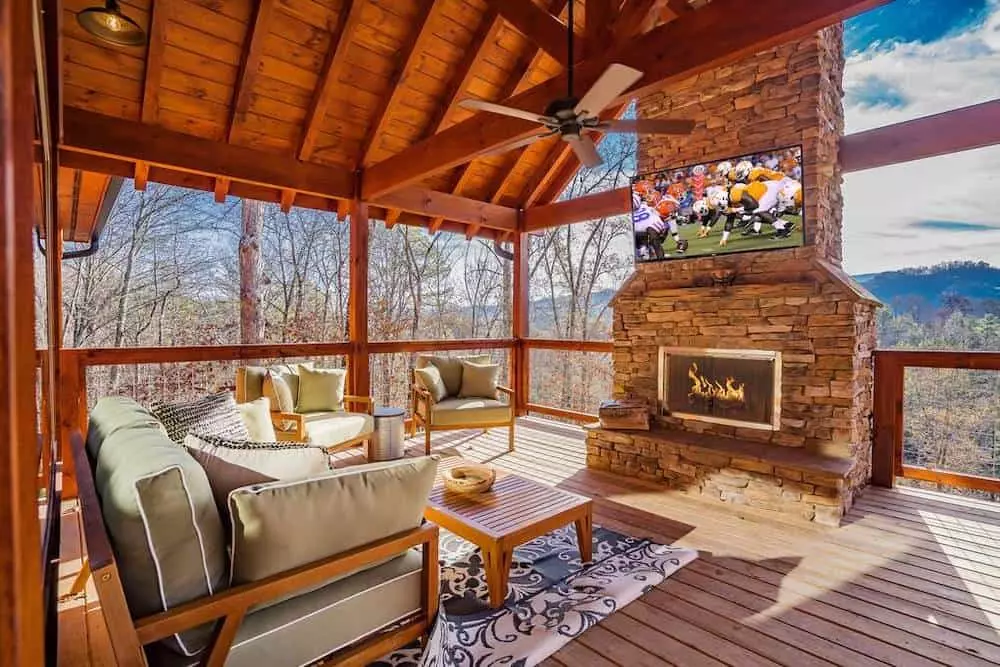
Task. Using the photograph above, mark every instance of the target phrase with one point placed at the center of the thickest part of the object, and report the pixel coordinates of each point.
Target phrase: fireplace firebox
(731, 387)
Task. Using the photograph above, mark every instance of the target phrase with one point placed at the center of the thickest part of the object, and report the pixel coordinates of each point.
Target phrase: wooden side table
(513, 512)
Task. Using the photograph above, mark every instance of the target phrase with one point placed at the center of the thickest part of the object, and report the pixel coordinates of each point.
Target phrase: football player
(651, 230)
(745, 172)
(708, 210)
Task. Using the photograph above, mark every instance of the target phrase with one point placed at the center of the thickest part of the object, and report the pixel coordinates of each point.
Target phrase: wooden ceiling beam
(97, 134)
(543, 28)
(141, 176)
(599, 16)
(414, 46)
(442, 206)
(154, 60)
(287, 200)
(590, 207)
(221, 189)
(343, 209)
(665, 54)
(392, 217)
(334, 65)
(253, 50)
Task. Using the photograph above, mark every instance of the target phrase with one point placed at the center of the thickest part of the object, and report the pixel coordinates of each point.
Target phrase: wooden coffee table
(513, 512)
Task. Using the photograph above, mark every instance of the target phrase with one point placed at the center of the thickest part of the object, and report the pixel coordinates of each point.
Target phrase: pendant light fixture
(109, 24)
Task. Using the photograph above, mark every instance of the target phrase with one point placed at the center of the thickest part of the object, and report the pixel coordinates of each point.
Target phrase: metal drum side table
(387, 442)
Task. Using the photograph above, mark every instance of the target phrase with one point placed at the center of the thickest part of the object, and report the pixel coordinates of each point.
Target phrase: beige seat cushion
(331, 428)
(450, 368)
(458, 411)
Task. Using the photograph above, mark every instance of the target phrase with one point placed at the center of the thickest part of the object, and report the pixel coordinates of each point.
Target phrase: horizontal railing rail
(888, 416)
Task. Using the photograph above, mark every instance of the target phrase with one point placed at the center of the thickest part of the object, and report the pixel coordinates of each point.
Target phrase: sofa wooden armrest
(129, 635)
(367, 402)
(280, 420)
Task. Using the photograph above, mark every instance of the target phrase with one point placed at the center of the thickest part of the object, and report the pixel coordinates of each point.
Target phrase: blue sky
(905, 60)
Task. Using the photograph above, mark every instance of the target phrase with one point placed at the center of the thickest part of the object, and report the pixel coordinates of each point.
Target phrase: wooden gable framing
(316, 103)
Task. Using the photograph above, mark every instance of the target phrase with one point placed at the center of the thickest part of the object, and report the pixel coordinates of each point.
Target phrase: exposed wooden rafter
(599, 205)
(141, 176)
(665, 54)
(599, 17)
(154, 60)
(253, 50)
(415, 44)
(442, 206)
(287, 200)
(541, 27)
(221, 189)
(336, 60)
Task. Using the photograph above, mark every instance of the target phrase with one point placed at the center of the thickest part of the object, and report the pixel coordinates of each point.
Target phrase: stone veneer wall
(797, 301)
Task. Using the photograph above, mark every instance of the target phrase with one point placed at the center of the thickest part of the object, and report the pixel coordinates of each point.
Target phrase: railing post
(887, 418)
(357, 323)
(520, 355)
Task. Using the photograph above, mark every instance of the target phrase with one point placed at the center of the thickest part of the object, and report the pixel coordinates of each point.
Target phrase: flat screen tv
(739, 204)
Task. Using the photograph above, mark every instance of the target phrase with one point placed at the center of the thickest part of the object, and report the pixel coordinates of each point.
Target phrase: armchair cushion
(479, 380)
(256, 417)
(450, 368)
(320, 389)
(282, 525)
(281, 389)
(325, 429)
(459, 411)
(429, 378)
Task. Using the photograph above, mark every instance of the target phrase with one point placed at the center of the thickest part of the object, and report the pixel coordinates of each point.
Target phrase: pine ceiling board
(188, 124)
(364, 80)
(345, 113)
(88, 54)
(195, 64)
(205, 110)
(245, 137)
(282, 130)
(362, 57)
(279, 48)
(210, 21)
(335, 150)
(319, 14)
(195, 41)
(291, 75)
(278, 110)
(281, 91)
(181, 82)
(103, 82)
(299, 32)
(239, 10)
(87, 98)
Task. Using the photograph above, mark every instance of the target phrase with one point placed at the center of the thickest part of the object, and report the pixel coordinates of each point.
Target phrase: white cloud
(882, 204)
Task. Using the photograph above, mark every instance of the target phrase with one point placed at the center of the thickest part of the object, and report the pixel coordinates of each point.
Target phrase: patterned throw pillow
(216, 414)
(278, 460)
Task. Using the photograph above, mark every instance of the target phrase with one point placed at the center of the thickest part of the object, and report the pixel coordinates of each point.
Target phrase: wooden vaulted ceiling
(341, 83)
(315, 102)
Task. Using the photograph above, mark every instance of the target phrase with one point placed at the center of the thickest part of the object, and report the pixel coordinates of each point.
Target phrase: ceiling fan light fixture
(109, 24)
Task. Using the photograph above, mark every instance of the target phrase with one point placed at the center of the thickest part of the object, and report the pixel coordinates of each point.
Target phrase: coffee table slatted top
(511, 505)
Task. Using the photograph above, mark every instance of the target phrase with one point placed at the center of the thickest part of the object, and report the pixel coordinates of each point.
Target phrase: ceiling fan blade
(585, 150)
(527, 141)
(615, 80)
(483, 105)
(648, 126)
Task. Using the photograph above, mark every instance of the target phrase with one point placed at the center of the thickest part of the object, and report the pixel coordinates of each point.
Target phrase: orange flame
(701, 387)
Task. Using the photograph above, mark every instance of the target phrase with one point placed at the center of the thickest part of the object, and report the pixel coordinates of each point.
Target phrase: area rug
(551, 599)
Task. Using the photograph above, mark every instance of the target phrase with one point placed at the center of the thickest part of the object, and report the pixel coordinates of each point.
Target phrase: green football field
(737, 242)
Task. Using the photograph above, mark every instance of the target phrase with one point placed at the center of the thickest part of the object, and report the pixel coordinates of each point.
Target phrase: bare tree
(251, 311)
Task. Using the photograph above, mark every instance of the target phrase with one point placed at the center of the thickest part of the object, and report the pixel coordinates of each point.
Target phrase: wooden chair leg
(427, 439)
(510, 442)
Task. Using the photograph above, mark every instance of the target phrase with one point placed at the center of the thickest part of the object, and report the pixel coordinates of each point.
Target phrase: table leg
(585, 537)
(497, 561)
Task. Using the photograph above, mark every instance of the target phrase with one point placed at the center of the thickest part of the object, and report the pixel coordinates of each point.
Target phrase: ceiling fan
(572, 118)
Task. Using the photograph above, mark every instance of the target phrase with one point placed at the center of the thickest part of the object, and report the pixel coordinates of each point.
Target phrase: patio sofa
(289, 572)
(335, 428)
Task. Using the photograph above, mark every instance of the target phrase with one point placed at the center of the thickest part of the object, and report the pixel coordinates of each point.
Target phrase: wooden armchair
(454, 414)
(128, 635)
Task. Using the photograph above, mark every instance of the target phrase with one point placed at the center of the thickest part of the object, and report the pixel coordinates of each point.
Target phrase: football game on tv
(750, 202)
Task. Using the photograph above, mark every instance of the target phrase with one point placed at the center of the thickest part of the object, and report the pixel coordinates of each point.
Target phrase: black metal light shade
(109, 24)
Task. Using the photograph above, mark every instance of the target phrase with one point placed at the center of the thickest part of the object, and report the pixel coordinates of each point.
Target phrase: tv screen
(739, 204)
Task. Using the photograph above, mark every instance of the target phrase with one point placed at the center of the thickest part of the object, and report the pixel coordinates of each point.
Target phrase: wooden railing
(561, 412)
(889, 416)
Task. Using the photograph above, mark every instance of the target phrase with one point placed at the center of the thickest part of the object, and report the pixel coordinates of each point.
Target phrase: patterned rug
(551, 598)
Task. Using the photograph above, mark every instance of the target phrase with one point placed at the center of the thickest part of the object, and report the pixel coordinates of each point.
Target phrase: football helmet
(742, 170)
(699, 170)
(700, 207)
(723, 169)
(682, 245)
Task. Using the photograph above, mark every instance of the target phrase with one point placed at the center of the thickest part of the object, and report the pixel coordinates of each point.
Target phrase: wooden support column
(358, 367)
(887, 420)
(21, 615)
(520, 355)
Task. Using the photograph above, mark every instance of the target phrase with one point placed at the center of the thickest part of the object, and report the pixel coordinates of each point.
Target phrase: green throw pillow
(429, 378)
(479, 380)
(321, 389)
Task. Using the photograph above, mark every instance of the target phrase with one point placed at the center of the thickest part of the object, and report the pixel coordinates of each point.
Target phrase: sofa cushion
(450, 368)
(429, 378)
(320, 389)
(458, 411)
(215, 414)
(277, 460)
(160, 514)
(282, 525)
(325, 429)
(479, 380)
(310, 626)
(256, 416)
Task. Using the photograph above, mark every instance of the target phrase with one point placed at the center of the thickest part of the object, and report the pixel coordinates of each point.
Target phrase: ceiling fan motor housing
(563, 109)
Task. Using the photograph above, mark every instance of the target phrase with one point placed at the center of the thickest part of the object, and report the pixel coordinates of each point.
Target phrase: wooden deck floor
(911, 578)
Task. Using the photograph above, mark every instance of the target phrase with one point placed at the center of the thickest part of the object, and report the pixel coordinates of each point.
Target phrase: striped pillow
(216, 415)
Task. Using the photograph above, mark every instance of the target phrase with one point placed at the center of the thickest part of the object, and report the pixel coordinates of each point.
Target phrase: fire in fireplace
(734, 387)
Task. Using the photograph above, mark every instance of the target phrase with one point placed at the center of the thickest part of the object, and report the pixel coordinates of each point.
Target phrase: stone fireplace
(740, 388)
(760, 388)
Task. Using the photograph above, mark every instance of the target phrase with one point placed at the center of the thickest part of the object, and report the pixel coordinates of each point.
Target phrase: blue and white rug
(551, 598)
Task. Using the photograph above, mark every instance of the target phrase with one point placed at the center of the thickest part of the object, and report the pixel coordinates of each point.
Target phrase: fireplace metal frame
(662, 391)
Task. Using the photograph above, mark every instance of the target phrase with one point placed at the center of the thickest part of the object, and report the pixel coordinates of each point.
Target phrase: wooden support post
(887, 420)
(520, 375)
(358, 366)
(141, 177)
(287, 200)
(221, 189)
(21, 608)
(343, 209)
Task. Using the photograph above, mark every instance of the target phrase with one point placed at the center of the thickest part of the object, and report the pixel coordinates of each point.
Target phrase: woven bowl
(469, 478)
